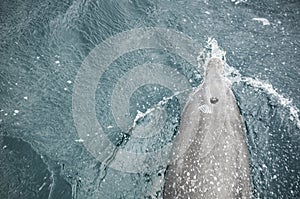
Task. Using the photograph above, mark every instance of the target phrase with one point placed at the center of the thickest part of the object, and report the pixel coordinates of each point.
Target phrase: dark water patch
(25, 175)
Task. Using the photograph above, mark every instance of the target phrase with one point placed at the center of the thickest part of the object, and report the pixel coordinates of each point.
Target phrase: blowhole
(214, 100)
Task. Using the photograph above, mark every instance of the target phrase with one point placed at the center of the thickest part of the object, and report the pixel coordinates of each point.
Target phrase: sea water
(92, 91)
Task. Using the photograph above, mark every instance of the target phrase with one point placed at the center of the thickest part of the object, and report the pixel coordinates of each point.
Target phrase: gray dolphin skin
(210, 156)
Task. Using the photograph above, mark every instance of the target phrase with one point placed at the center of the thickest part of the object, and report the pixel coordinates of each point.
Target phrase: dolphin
(210, 158)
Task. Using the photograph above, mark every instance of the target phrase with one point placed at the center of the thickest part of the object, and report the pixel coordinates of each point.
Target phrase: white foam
(42, 186)
(216, 51)
(267, 88)
(236, 2)
(159, 105)
(263, 20)
(211, 50)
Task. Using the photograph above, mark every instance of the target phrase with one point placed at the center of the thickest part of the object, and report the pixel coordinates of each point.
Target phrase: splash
(211, 50)
(264, 21)
(233, 75)
(270, 90)
(236, 2)
(140, 115)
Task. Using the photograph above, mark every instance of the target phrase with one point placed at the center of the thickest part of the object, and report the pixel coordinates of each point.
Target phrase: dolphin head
(214, 67)
(214, 80)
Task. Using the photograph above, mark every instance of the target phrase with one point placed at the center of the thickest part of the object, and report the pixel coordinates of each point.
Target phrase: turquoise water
(53, 124)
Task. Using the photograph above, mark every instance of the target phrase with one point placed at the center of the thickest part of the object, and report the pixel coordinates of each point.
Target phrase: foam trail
(105, 164)
(268, 89)
(52, 184)
(141, 115)
(74, 190)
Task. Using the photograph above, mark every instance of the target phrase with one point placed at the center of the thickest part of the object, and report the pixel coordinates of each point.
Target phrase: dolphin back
(210, 158)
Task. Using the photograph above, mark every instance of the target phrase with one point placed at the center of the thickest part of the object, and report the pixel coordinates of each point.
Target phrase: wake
(233, 75)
